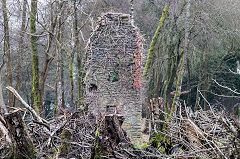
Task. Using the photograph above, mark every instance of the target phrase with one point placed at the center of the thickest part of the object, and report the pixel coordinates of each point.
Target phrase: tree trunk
(65, 146)
(77, 50)
(7, 50)
(22, 143)
(238, 68)
(3, 108)
(186, 46)
(20, 49)
(184, 58)
(47, 58)
(35, 67)
(59, 51)
(173, 63)
(205, 79)
(59, 79)
(79, 80)
(154, 40)
(71, 78)
(109, 136)
(71, 58)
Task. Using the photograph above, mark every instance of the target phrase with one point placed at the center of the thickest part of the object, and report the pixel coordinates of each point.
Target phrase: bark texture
(59, 54)
(2, 104)
(22, 143)
(65, 146)
(109, 137)
(3, 108)
(47, 57)
(20, 48)
(71, 58)
(7, 50)
(35, 63)
(184, 58)
(78, 54)
(154, 40)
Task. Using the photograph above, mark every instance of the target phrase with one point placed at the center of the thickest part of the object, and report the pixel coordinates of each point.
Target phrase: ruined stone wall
(113, 70)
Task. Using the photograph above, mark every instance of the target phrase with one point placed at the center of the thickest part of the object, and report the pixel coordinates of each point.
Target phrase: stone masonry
(113, 71)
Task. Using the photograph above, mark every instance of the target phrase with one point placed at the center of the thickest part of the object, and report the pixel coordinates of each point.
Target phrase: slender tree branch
(234, 91)
(35, 115)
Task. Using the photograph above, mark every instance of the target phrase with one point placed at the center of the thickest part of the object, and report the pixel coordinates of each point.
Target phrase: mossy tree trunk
(20, 48)
(174, 57)
(152, 70)
(154, 40)
(184, 58)
(35, 63)
(65, 146)
(108, 136)
(7, 50)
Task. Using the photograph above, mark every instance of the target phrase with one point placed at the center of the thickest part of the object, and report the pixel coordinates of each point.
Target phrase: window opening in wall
(113, 77)
(111, 108)
(93, 87)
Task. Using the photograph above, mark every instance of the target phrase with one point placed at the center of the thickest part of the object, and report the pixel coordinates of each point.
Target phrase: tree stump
(65, 146)
(110, 137)
(21, 141)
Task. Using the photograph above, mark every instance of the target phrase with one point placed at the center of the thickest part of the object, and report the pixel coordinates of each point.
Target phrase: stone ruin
(113, 71)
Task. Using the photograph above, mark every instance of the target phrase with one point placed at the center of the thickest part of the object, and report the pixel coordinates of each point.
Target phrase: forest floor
(204, 134)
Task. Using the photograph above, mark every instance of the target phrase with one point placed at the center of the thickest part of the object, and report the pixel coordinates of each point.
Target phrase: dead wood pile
(91, 137)
(81, 127)
(204, 134)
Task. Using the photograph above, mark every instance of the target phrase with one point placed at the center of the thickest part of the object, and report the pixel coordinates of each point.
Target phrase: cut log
(21, 141)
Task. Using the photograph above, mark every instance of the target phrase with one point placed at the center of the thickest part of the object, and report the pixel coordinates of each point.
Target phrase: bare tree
(79, 55)
(184, 58)
(76, 49)
(35, 62)
(20, 47)
(48, 57)
(7, 50)
(59, 54)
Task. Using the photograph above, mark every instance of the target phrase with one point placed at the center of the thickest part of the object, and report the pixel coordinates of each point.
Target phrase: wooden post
(22, 143)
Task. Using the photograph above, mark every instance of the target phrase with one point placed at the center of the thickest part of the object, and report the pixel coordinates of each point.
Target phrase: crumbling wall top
(114, 18)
